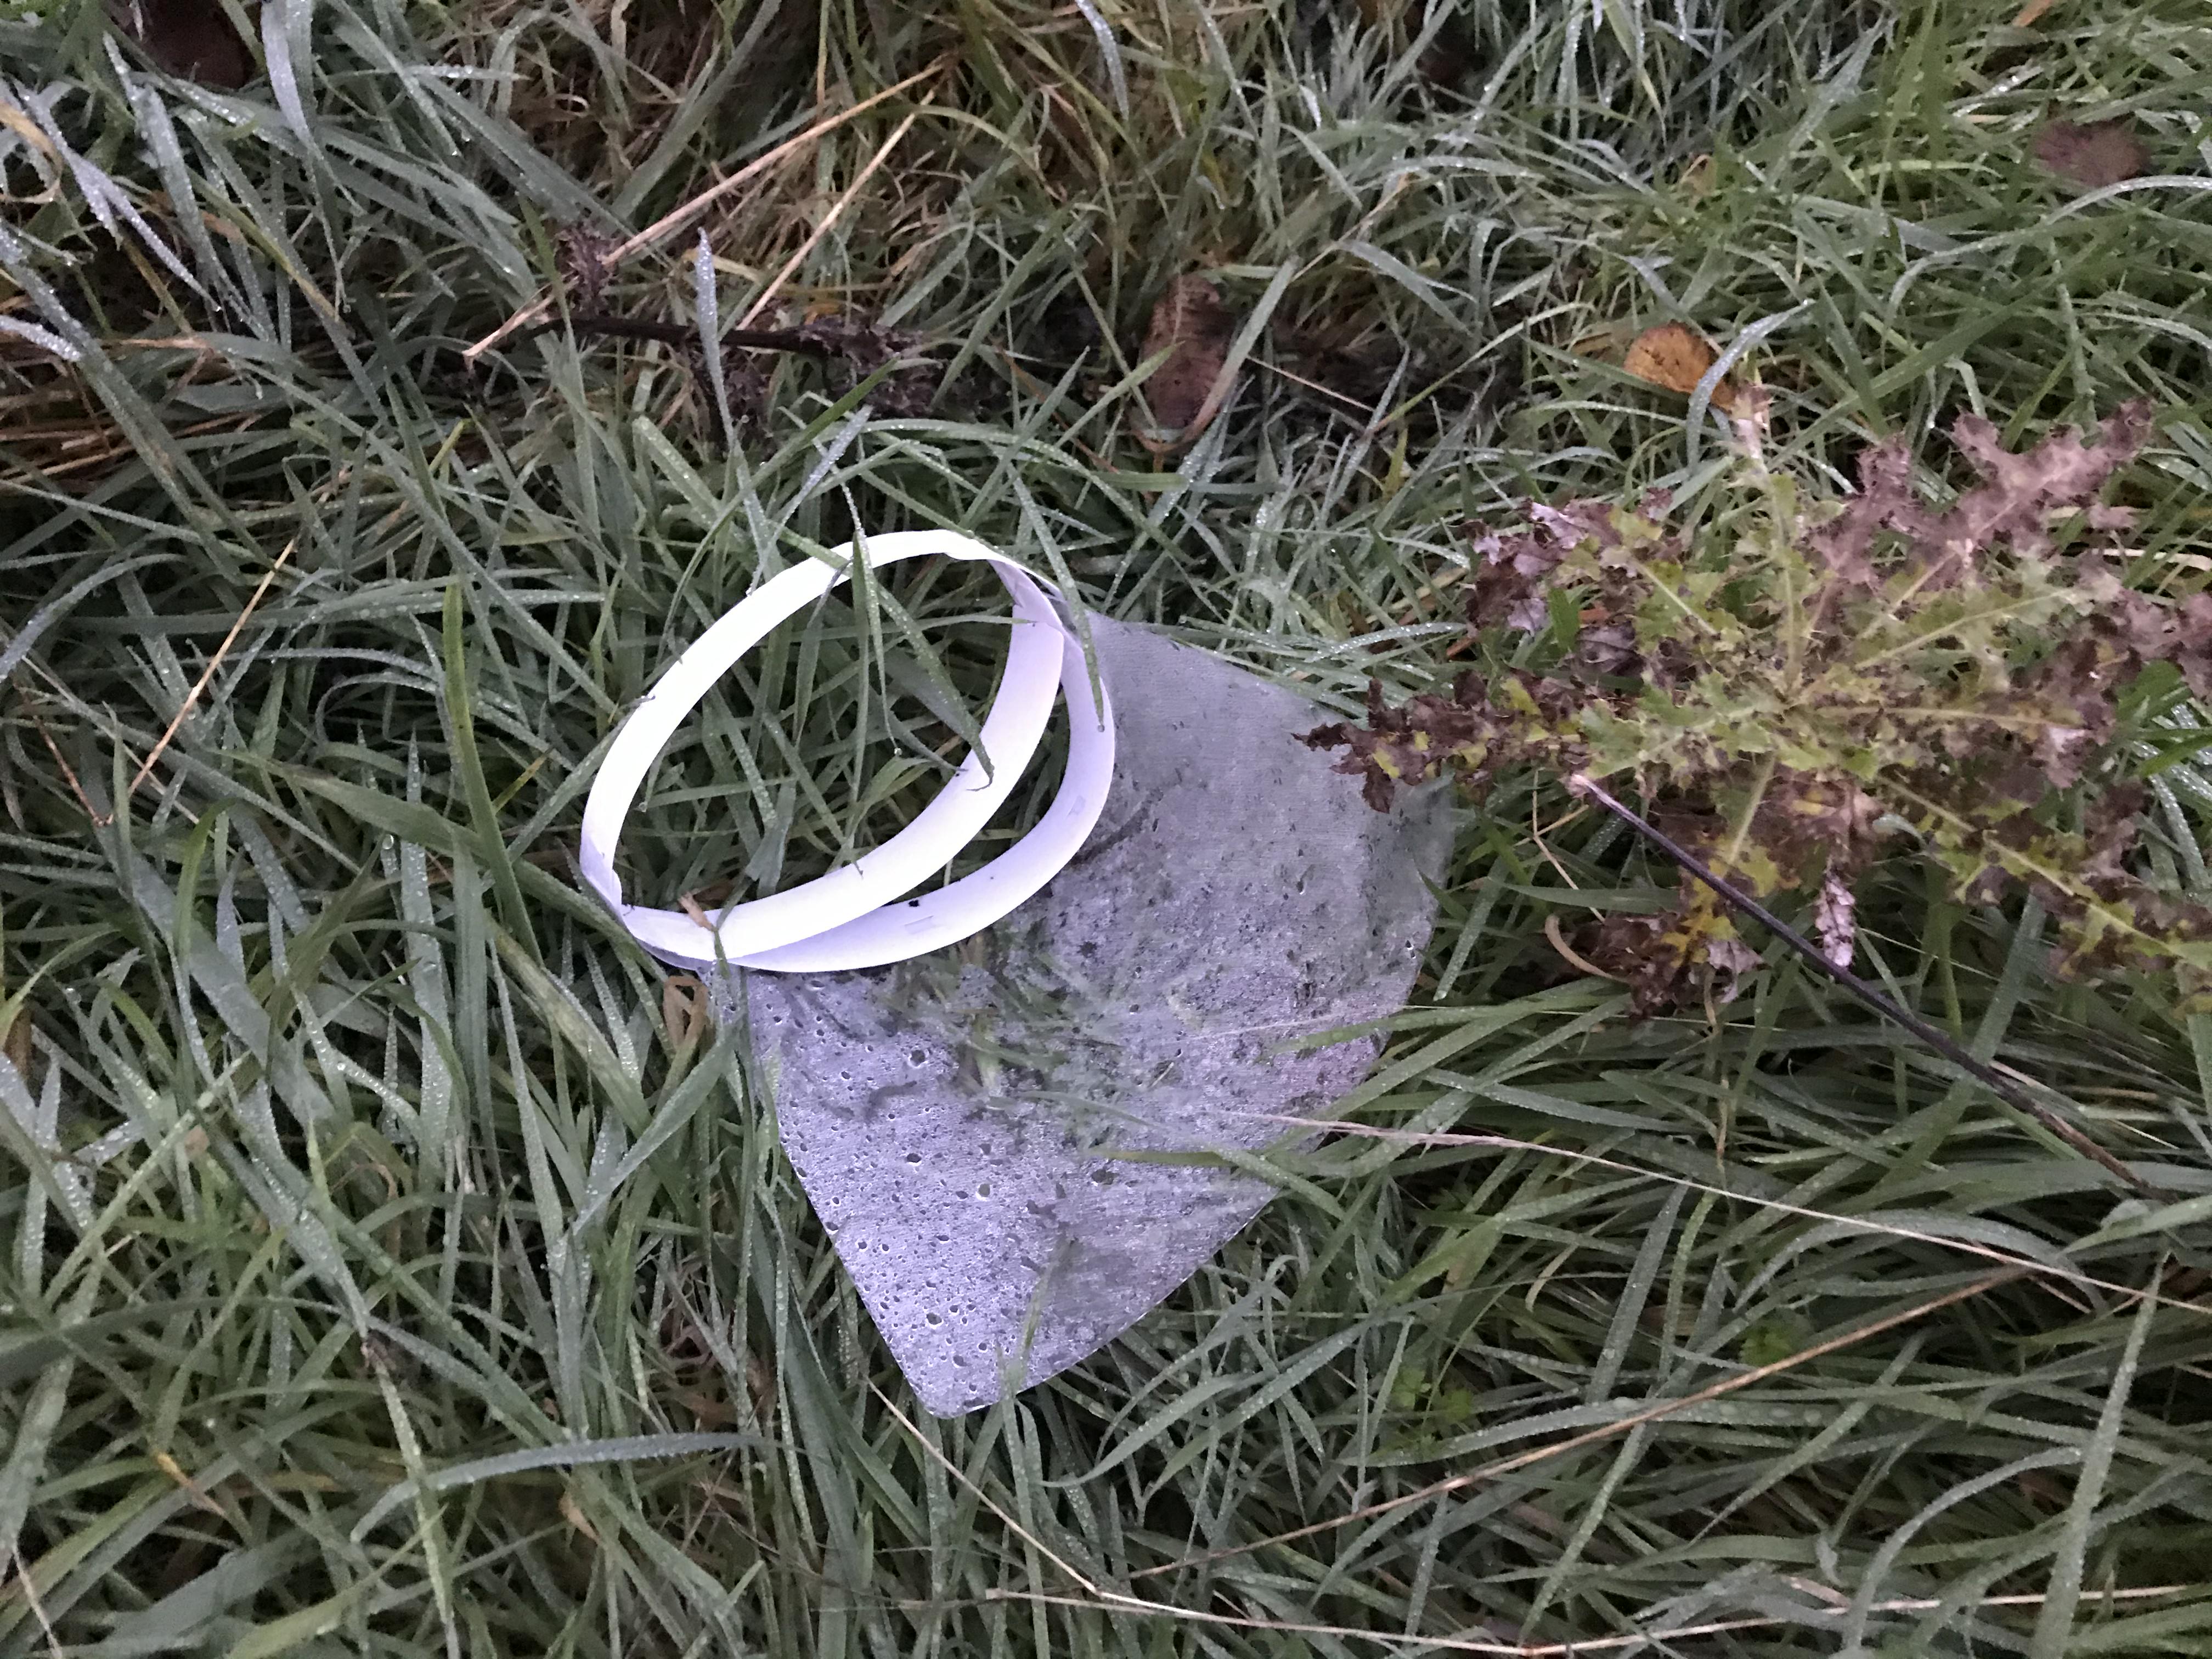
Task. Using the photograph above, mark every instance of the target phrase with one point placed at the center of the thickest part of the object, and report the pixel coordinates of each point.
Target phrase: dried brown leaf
(1193, 327)
(1676, 357)
(684, 1012)
(2093, 153)
(2021, 494)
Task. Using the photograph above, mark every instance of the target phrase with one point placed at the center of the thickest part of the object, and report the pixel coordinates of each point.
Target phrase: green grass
(387, 1273)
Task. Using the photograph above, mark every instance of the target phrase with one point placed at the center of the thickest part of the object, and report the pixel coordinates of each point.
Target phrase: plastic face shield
(1018, 1102)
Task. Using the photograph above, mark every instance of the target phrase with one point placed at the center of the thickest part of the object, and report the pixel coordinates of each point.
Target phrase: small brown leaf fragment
(866, 346)
(1676, 357)
(1193, 326)
(579, 254)
(1731, 960)
(1573, 958)
(711, 1411)
(760, 1386)
(1632, 950)
(168, 1465)
(682, 1009)
(2092, 154)
(572, 1513)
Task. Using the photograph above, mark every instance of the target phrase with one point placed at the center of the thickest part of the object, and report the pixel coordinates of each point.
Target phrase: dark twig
(1742, 902)
(676, 334)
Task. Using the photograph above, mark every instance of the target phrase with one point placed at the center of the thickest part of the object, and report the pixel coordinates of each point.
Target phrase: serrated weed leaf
(1786, 686)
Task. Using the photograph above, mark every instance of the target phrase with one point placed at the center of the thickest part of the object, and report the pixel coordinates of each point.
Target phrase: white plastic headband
(849, 918)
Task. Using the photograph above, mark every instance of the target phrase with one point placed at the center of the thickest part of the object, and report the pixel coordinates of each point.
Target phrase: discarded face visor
(1022, 1144)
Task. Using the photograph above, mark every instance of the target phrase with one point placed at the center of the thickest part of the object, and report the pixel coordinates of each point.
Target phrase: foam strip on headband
(852, 918)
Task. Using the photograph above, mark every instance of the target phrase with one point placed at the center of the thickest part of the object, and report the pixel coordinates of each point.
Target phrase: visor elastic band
(859, 915)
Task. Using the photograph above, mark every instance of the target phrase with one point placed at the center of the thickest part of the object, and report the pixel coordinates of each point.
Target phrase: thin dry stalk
(1099, 1595)
(101, 820)
(200, 686)
(1599, 1643)
(1604, 1431)
(681, 217)
(2044, 1270)
(837, 209)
